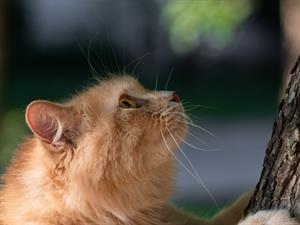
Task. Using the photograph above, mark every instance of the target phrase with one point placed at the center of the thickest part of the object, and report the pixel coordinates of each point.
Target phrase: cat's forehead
(126, 84)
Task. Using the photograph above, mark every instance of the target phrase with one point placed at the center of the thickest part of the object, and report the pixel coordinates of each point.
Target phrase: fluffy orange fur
(92, 162)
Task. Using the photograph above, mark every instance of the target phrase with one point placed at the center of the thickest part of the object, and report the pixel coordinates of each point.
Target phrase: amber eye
(127, 103)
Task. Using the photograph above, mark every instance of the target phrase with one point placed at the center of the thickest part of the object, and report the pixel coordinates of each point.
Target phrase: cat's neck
(121, 201)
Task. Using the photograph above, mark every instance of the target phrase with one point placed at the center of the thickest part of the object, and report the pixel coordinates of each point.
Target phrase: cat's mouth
(174, 111)
(173, 124)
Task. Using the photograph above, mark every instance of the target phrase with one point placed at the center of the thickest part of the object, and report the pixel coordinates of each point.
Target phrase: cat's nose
(175, 97)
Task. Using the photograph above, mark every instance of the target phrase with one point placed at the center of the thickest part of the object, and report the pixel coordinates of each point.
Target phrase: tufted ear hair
(52, 123)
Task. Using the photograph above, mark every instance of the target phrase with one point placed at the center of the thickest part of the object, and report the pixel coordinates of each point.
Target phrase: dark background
(225, 55)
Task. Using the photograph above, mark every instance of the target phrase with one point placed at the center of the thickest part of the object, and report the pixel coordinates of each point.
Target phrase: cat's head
(112, 131)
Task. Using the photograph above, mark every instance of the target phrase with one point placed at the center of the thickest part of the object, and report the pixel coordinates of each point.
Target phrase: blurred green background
(223, 54)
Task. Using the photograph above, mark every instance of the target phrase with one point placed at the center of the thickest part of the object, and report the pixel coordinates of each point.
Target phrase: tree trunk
(279, 185)
(290, 17)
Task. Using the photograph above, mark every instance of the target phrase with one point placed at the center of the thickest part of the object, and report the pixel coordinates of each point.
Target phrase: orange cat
(105, 157)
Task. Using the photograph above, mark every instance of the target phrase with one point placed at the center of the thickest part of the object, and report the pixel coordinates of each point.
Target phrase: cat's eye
(127, 103)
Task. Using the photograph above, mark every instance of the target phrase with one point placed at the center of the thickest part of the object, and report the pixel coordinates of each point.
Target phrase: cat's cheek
(157, 156)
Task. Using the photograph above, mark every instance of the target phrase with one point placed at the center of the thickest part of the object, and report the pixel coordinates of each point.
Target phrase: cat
(105, 157)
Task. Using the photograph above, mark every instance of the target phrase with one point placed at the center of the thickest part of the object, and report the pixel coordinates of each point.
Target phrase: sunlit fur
(118, 170)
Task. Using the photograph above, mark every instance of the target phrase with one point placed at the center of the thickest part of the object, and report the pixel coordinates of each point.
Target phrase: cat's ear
(52, 123)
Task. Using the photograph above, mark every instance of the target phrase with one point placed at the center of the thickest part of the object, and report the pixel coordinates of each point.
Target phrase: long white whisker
(201, 128)
(178, 160)
(169, 78)
(188, 108)
(197, 126)
(195, 147)
(194, 170)
(182, 114)
(169, 108)
(190, 133)
(189, 104)
(88, 59)
(138, 59)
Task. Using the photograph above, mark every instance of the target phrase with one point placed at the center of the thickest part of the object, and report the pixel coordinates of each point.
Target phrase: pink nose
(175, 98)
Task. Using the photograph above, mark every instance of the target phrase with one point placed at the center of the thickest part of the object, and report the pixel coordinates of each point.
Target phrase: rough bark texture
(279, 185)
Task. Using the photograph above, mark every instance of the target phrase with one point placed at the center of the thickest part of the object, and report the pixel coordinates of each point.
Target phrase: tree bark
(290, 17)
(279, 185)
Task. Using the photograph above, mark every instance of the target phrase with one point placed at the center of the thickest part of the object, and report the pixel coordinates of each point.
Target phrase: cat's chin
(175, 107)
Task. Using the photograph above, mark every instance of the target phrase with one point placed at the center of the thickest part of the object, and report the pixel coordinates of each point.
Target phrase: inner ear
(48, 121)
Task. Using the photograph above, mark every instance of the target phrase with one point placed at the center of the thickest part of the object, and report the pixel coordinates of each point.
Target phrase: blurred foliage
(215, 21)
(14, 129)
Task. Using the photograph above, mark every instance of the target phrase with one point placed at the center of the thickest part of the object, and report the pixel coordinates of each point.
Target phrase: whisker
(177, 159)
(183, 102)
(205, 106)
(196, 126)
(193, 107)
(169, 107)
(182, 114)
(191, 134)
(201, 128)
(193, 146)
(108, 52)
(138, 59)
(115, 59)
(195, 171)
(169, 78)
(104, 70)
(156, 82)
(92, 69)
(189, 122)
(137, 64)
